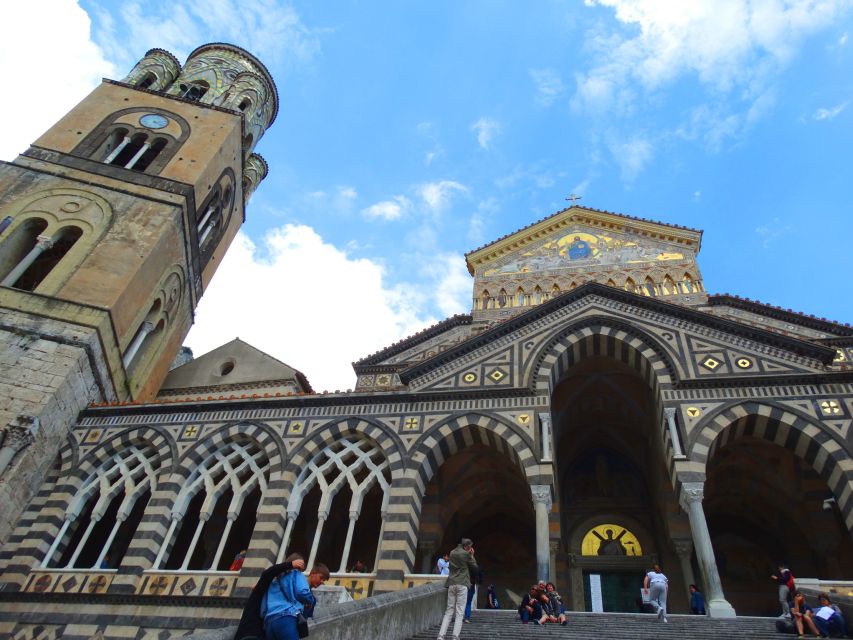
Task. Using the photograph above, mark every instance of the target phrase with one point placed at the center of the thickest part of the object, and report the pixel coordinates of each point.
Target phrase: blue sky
(412, 132)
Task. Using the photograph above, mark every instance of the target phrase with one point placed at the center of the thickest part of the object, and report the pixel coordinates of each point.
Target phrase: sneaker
(660, 614)
(466, 620)
(664, 619)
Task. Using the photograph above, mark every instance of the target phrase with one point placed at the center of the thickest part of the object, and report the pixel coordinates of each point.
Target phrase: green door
(619, 591)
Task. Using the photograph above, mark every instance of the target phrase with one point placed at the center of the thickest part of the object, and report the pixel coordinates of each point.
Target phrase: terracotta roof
(613, 213)
(789, 315)
(421, 336)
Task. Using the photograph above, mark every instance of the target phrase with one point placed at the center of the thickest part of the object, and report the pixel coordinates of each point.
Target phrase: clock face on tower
(153, 121)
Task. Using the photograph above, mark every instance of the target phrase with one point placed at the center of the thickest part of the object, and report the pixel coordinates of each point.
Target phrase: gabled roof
(234, 363)
(413, 340)
(801, 347)
(695, 235)
(787, 315)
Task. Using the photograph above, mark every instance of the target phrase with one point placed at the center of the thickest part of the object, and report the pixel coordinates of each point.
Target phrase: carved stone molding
(16, 437)
(683, 547)
(541, 494)
(691, 492)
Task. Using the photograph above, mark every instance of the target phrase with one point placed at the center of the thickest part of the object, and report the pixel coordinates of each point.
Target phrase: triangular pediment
(585, 240)
(696, 346)
(234, 364)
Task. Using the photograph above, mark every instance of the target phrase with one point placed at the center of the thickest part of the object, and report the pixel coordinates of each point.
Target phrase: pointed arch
(520, 298)
(649, 288)
(668, 286)
(784, 426)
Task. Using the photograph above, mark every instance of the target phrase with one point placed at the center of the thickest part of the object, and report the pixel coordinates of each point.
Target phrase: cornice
(413, 340)
(778, 313)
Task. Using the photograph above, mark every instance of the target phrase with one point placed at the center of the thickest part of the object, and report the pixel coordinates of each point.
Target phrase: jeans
(835, 622)
(784, 598)
(281, 628)
(471, 592)
(657, 597)
(456, 597)
(526, 616)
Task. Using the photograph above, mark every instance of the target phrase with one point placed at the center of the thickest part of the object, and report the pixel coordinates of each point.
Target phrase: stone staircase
(500, 625)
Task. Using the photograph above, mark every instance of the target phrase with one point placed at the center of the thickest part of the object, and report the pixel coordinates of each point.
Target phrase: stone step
(499, 625)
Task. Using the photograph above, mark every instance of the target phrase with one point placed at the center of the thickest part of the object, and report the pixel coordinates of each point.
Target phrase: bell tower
(112, 225)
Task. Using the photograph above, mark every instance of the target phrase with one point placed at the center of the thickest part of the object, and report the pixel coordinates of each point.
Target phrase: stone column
(554, 548)
(669, 412)
(43, 243)
(542, 505)
(691, 497)
(546, 433)
(16, 437)
(684, 550)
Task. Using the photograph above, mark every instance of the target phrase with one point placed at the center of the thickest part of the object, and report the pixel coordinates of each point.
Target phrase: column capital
(683, 547)
(691, 492)
(554, 545)
(16, 437)
(669, 412)
(541, 494)
(545, 418)
(45, 242)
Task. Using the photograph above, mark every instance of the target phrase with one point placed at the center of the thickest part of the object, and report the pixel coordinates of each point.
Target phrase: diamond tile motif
(69, 584)
(190, 432)
(694, 412)
(470, 377)
(497, 375)
(411, 424)
(830, 408)
(711, 363)
(188, 587)
(296, 428)
(743, 363)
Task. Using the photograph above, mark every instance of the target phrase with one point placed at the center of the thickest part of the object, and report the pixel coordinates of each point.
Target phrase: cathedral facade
(596, 411)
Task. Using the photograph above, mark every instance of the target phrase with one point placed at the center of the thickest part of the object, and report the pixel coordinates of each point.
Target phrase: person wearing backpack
(785, 580)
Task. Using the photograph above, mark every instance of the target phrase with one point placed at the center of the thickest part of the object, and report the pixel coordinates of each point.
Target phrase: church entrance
(479, 494)
(612, 591)
(613, 488)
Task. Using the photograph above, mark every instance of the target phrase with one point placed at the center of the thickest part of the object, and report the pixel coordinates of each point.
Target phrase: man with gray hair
(462, 567)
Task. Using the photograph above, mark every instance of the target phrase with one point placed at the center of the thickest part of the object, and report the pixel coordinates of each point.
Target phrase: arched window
(573, 285)
(486, 299)
(610, 283)
(18, 245)
(555, 291)
(193, 90)
(245, 105)
(339, 501)
(630, 285)
(649, 287)
(42, 258)
(105, 512)
(519, 297)
(687, 284)
(147, 80)
(503, 300)
(668, 286)
(537, 295)
(150, 155)
(216, 509)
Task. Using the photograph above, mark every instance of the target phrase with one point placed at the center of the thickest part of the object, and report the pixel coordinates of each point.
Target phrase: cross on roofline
(574, 198)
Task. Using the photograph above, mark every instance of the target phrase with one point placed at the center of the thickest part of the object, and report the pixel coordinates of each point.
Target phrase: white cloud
(487, 208)
(486, 130)
(697, 196)
(772, 231)
(306, 323)
(50, 44)
(632, 156)
(437, 195)
(274, 31)
(347, 193)
(842, 40)
(451, 291)
(393, 209)
(727, 45)
(549, 85)
(829, 113)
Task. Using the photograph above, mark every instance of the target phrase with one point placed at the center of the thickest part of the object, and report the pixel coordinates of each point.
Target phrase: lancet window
(338, 505)
(216, 511)
(519, 297)
(537, 295)
(649, 287)
(105, 511)
(668, 286)
(688, 285)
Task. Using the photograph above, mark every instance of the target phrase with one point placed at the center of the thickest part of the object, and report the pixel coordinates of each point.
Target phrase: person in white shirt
(657, 584)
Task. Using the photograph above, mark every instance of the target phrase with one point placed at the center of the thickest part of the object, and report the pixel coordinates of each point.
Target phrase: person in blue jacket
(697, 601)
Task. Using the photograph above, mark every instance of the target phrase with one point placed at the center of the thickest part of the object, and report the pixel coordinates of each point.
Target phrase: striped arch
(458, 432)
(75, 469)
(384, 437)
(784, 426)
(601, 336)
(259, 432)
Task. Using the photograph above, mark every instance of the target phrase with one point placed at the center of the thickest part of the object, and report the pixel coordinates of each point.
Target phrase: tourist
(697, 601)
(281, 599)
(492, 598)
(802, 612)
(530, 607)
(657, 583)
(557, 601)
(785, 580)
(358, 567)
(829, 617)
(550, 609)
(442, 567)
(461, 566)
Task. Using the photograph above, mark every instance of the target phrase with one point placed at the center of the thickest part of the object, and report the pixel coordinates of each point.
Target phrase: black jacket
(251, 622)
